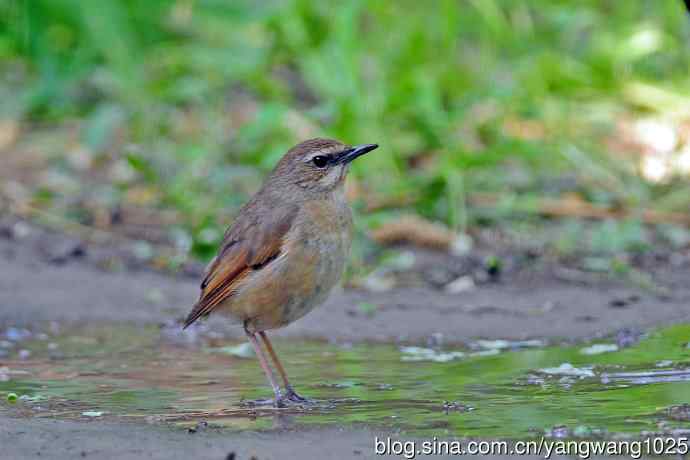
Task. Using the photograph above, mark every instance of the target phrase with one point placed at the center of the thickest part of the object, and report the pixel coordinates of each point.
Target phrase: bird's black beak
(354, 152)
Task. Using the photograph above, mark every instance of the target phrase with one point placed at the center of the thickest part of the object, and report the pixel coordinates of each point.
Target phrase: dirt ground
(34, 287)
(58, 439)
(536, 304)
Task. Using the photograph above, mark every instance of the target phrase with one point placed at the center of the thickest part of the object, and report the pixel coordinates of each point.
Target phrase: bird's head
(318, 165)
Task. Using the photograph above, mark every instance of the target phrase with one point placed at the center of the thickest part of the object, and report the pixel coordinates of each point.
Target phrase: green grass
(185, 104)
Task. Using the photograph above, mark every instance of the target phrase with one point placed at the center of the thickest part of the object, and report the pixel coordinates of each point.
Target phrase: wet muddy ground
(497, 389)
(100, 368)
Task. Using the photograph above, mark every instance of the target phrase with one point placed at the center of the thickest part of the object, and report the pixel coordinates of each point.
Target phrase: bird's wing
(250, 244)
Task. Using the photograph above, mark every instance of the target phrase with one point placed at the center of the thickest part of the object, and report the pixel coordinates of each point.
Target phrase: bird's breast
(326, 227)
(311, 263)
(321, 246)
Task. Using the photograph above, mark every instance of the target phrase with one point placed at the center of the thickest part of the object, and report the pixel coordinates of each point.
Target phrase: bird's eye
(320, 161)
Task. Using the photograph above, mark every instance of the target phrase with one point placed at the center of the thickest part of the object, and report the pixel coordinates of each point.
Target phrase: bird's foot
(292, 396)
(282, 400)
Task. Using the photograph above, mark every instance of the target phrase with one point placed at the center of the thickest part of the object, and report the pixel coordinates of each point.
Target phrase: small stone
(402, 261)
(60, 252)
(436, 339)
(439, 276)
(143, 250)
(54, 327)
(559, 431)
(462, 245)
(20, 230)
(618, 303)
(454, 406)
(379, 282)
(627, 337)
(567, 369)
(24, 354)
(599, 348)
(155, 297)
(17, 334)
(462, 284)
(202, 425)
(429, 354)
(243, 350)
(679, 412)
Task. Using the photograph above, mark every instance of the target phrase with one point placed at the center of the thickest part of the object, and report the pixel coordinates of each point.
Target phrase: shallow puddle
(495, 389)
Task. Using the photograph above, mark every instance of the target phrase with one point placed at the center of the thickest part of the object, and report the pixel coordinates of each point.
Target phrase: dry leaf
(414, 230)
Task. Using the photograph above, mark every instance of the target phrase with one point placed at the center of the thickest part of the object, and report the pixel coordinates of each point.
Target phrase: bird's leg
(267, 370)
(290, 394)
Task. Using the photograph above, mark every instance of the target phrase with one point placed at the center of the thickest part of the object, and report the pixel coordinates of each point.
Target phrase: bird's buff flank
(286, 249)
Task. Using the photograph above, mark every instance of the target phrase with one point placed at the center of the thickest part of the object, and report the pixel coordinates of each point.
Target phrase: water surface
(495, 389)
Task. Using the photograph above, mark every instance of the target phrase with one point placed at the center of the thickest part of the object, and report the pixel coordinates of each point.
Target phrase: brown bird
(286, 249)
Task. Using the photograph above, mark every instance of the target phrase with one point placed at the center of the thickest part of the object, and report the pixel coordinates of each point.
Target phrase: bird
(285, 251)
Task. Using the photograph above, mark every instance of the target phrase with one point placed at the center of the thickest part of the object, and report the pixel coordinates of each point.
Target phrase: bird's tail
(195, 314)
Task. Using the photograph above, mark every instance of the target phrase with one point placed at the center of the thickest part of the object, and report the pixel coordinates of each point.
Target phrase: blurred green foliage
(188, 103)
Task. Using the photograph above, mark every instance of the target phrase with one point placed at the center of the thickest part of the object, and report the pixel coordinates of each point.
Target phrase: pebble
(436, 339)
(567, 369)
(24, 354)
(599, 348)
(378, 282)
(16, 334)
(202, 425)
(18, 230)
(559, 431)
(155, 297)
(60, 252)
(462, 284)
(243, 350)
(627, 337)
(462, 245)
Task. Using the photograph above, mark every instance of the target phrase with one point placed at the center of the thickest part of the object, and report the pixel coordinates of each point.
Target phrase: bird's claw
(292, 396)
(281, 400)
